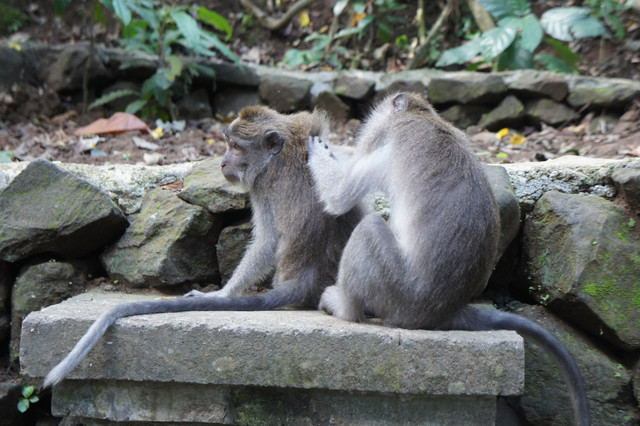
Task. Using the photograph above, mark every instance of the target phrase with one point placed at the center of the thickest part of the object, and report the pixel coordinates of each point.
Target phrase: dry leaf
(119, 122)
(304, 19)
(174, 186)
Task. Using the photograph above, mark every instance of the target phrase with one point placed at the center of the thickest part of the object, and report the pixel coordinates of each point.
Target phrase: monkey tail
(474, 319)
(288, 293)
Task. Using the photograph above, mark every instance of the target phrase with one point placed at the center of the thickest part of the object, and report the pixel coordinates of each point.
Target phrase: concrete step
(275, 367)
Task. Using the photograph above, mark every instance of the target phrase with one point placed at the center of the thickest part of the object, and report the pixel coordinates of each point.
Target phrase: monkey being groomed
(292, 236)
(437, 253)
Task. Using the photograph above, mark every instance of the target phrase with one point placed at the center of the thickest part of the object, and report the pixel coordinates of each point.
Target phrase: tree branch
(423, 50)
(273, 24)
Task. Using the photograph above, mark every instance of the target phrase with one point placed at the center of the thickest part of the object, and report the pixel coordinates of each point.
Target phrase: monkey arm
(342, 180)
(257, 263)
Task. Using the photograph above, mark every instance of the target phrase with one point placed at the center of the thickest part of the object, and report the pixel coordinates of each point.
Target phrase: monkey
(420, 270)
(292, 236)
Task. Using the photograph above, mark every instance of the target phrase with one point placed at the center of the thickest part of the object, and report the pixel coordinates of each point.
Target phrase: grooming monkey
(292, 235)
(438, 251)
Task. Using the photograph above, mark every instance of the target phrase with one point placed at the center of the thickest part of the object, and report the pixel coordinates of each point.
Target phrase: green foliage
(511, 44)
(164, 31)
(6, 156)
(609, 11)
(27, 398)
(11, 19)
(324, 49)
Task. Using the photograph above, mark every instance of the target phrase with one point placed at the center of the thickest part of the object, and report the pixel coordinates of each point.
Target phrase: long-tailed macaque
(292, 235)
(438, 251)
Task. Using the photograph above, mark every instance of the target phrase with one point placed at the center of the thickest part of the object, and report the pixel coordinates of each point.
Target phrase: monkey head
(251, 145)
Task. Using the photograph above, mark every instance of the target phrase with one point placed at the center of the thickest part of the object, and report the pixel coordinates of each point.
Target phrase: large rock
(12, 67)
(231, 246)
(285, 94)
(550, 112)
(546, 397)
(353, 87)
(507, 202)
(602, 92)
(627, 182)
(67, 70)
(205, 186)
(43, 283)
(465, 87)
(584, 262)
(46, 209)
(531, 83)
(169, 242)
(509, 112)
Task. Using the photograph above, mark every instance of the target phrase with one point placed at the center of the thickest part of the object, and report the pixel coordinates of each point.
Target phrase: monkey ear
(399, 102)
(273, 141)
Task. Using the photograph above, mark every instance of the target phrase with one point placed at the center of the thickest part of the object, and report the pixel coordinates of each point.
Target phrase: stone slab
(281, 349)
(139, 403)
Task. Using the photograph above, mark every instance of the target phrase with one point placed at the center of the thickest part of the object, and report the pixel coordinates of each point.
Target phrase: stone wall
(492, 100)
(570, 262)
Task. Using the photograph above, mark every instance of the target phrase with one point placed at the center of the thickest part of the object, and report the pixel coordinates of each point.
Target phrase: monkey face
(248, 155)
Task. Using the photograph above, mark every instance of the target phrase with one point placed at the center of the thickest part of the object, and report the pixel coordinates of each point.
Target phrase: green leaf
(346, 32)
(569, 23)
(122, 11)
(220, 46)
(112, 96)
(503, 8)
(175, 67)
(339, 6)
(135, 106)
(358, 6)
(6, 156)
(496, 40)
(530, 33)
(23, 405)
(27, 391)
(460, 54)
(98, 14)
(554, 64)
(565, 53)
(34, 399)
(515, 58)
(60, 5)
(214, 19)
(188, 27)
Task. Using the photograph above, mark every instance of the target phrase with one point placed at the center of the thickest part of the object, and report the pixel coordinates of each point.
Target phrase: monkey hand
(328, 173)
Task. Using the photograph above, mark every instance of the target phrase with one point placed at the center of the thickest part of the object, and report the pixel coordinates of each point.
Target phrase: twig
(481, 16)
(423, 50)
(271, 23)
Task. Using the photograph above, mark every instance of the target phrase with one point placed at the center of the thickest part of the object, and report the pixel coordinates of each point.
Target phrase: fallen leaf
(119, 122)
(142, 144)
(304, 19)
(174, 186)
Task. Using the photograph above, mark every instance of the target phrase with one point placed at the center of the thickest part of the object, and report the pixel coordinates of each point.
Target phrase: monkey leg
(370, 274)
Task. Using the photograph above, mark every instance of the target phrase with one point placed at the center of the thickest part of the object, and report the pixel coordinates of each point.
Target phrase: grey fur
(292, 235)
(438, 251)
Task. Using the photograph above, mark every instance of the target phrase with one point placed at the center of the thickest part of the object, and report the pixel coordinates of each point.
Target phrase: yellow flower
(517, 139)
(157, 132)
(502, 133)
(15, 46)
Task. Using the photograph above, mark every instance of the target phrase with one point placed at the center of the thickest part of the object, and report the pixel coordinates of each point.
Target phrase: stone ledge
(303, 355)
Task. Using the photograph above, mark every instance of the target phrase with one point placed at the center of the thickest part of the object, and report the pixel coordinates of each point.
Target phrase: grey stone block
(235, 361)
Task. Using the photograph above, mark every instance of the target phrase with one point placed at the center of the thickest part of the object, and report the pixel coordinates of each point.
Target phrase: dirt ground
(43, 125)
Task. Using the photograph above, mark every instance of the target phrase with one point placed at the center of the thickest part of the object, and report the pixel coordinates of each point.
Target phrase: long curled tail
(289, 293)
(474, 319)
